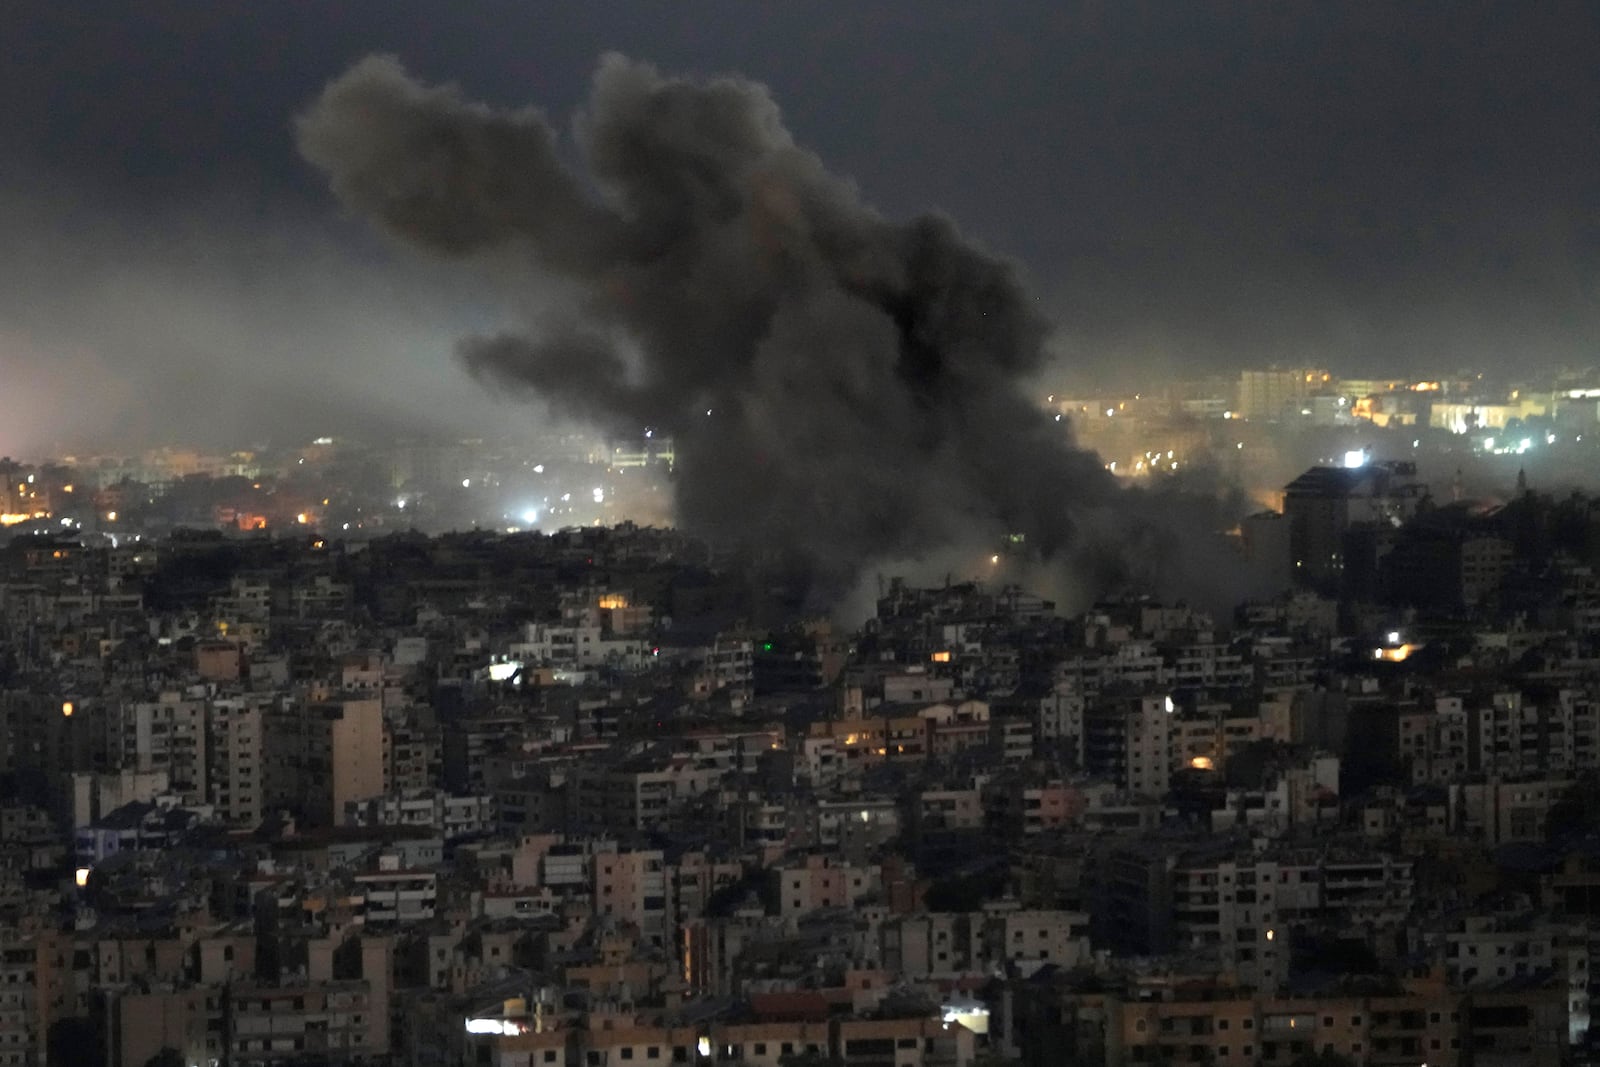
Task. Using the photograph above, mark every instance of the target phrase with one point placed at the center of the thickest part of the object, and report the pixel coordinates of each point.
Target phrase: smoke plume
(842, 389)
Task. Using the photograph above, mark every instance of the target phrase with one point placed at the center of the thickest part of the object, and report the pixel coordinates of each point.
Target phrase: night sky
(1189, 187)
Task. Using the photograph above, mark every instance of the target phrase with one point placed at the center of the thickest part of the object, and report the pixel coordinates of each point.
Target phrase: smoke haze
(225, 325)
(842, 389)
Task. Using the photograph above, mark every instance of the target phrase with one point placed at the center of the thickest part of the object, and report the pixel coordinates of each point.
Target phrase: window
(627, 1052)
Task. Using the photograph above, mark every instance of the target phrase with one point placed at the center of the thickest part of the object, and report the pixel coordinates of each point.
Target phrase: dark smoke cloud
(842, 388)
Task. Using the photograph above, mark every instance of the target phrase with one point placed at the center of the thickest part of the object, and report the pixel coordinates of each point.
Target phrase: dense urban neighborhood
(597, 796)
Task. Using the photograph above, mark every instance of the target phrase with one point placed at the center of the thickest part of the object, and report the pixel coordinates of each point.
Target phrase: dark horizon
(1187, 190)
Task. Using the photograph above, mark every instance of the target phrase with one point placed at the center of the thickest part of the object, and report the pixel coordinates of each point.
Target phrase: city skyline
(905, 534)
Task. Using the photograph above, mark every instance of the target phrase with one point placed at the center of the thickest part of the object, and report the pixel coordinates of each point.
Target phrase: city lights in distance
(599, 495)
(530, 516)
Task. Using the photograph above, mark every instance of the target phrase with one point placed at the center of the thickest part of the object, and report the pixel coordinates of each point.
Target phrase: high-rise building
(1130, 742)
(167, 734)
(235, 739)
(1324, 503)
(322, 755)
(1271, 393)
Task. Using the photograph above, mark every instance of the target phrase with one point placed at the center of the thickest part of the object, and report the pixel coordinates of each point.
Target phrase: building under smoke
(841, 389)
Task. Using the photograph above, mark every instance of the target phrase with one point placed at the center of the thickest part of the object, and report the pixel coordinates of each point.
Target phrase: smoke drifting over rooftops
(842, 389)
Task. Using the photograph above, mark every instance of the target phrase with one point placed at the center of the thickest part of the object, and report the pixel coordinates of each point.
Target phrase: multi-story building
(1129, 741)
(395, 894)
(167, 734)
(822, 882)
(631, 886)
(33, 990)
(323, 756)
(1275, 393)
(1324, 503)
(236, 758)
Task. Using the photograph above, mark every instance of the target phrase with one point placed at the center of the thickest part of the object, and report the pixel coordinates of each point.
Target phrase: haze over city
(1398, 190)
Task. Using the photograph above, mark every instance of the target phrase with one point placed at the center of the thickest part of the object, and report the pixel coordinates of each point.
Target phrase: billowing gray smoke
(839, 386)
